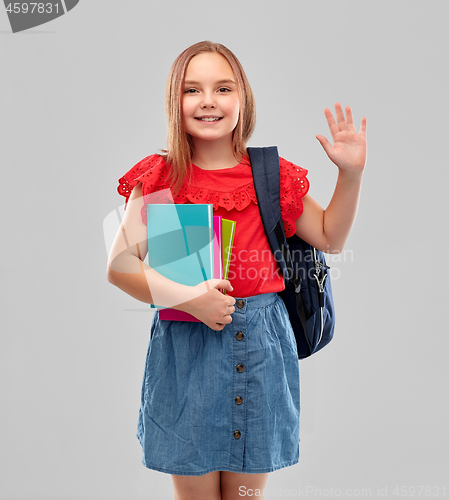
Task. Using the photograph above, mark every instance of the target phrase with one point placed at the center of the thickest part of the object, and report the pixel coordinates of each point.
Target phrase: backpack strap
(266, 175)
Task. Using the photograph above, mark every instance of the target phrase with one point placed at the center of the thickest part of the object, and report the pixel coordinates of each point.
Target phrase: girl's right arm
(127, 271)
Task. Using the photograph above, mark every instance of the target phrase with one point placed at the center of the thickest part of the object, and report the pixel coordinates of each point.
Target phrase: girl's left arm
(329, 229)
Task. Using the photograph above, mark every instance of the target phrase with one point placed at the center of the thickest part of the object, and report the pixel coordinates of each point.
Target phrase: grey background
(81, 102)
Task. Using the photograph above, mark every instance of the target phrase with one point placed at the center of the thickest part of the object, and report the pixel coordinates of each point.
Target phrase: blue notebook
(181, 242)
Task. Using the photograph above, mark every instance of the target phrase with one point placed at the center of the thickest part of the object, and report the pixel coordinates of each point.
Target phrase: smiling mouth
(209, 118)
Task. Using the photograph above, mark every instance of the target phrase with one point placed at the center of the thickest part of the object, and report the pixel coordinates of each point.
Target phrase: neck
(214, 155)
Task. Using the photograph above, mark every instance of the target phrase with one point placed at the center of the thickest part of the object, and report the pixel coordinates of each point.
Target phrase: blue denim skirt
(222, 400)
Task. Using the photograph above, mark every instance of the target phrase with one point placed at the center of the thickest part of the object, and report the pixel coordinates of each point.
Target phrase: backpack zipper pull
(296, 281)
(319, 270)
(321, 289)
(297, 286)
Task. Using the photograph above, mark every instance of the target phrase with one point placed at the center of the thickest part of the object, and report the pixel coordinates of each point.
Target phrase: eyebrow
(220, 82)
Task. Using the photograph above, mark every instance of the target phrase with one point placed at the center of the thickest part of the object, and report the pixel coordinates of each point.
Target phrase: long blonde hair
(179, 150)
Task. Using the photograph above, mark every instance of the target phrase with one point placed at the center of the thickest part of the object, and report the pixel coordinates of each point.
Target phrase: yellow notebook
(227, 242)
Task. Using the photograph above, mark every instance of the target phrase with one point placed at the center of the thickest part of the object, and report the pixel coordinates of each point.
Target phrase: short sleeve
(294, 186)
(151, 171)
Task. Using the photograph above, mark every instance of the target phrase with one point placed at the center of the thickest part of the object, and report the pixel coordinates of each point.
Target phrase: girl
(220, 397)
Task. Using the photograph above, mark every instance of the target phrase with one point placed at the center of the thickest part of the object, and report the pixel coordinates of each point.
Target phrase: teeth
(209, 119)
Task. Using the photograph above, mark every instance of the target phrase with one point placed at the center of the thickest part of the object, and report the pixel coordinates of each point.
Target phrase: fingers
(340, 116)
(362, 130)
(230, 309)
(333, 127)
(227, 318)
(341, 123)
(225, 321)
(349, 120)
(327, 146)
(224, 284)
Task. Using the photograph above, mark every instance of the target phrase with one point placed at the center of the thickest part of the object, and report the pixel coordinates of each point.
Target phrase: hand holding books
(211, 306)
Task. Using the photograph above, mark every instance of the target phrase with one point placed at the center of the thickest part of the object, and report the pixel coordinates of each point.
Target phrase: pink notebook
(175, 314)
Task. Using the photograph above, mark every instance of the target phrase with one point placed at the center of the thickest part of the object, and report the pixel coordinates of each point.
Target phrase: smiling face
(210, 99)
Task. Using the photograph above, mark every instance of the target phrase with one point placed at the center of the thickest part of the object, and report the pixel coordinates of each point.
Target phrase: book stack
(188, 244)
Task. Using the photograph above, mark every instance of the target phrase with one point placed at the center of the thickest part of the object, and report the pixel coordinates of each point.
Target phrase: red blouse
(253, 269)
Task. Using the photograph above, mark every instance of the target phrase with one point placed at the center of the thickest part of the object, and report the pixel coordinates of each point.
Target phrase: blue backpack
(308, 293)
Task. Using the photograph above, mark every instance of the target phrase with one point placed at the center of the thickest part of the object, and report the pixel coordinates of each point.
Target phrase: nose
(208, 100)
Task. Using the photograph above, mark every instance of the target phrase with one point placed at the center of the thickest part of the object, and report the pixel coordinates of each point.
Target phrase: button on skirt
(226, 400)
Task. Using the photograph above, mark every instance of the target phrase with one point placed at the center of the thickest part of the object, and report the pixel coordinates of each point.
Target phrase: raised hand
(349, 149)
